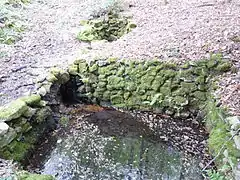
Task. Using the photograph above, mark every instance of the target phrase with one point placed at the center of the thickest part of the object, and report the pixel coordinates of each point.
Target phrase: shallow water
(112, 145)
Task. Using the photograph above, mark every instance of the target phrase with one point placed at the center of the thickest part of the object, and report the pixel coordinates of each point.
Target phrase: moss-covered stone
(82, 67)
(7, 137)
(188, 87)
(93, 68)
(200, 95)
(42, 114)
(13, 110)
(117, 99)
(73, 69)
(181, 101)
(146, 81)
(116, 82)
(51, 78)
(107, 70)
(32, 100)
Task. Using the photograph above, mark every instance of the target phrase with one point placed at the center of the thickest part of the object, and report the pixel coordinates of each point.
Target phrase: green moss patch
(24, 175)
(110, 27)
(221, 140)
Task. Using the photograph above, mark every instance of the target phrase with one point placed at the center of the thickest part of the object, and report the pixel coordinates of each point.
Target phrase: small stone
(42, 91)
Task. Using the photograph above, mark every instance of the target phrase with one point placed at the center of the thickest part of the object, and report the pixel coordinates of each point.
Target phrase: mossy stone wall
(22, 122)
(150, 84)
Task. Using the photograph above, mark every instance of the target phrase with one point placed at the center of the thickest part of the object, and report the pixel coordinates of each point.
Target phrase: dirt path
(49, 41)
(179, 30)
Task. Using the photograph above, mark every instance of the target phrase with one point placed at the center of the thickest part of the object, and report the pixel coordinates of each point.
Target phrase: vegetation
(10, 22)
(220, 143)
(111, 27)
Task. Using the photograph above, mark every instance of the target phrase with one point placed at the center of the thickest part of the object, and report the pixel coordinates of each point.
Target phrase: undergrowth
(220, 143)
(11, 24)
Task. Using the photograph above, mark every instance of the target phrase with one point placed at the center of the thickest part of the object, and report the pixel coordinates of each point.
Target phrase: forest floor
(179, 30)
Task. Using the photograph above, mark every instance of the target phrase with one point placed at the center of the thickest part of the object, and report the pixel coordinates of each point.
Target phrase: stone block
(13, 110)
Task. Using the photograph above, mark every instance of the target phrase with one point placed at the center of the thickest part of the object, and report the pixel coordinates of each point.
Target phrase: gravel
(179, 30)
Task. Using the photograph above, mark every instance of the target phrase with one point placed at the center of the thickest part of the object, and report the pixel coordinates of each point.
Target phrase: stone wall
(167, 87)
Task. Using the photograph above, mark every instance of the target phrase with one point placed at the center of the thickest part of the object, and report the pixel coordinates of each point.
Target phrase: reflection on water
(86, 154)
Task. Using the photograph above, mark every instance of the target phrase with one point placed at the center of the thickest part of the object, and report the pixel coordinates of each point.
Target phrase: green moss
(102, 84)
(117, 99)
(130, 86)
(126, 95)
(32, 100)
(201, 80)
(106, 95)
(13, 110)
(223, 67)
(82, 67)
(51, 78)
(146, 81)
(181, 101)
(42, 114)
(220, 135)
(93, 68)
(110, 28)
(24, 175)
(116, 82)
(200, 95)
(16, 150)
(166, 91)
(212, 63)
(107, 70)
(73, 69)
(188, 87)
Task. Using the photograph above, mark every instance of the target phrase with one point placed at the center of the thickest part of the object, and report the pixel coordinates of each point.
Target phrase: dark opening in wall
(69, 91)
